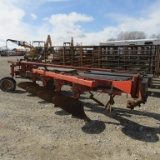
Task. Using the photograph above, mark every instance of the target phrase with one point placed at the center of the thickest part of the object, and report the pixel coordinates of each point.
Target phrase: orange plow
(81, 80)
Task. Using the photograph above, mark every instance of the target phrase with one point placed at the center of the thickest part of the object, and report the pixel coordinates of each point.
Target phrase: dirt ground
(32, 129)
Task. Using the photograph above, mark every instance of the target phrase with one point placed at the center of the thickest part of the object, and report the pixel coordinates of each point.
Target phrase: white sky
(88, 21)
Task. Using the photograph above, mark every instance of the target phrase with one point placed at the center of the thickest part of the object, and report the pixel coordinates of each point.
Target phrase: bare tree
(131, 35)
(155, 36)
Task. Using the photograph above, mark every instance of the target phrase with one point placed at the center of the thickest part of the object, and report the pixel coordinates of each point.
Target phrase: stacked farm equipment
(137, 58)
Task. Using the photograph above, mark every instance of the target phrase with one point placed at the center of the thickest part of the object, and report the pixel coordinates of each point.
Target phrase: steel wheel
(7, 84)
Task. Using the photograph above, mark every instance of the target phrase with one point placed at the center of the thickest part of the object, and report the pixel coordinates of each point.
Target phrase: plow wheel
(7, 84)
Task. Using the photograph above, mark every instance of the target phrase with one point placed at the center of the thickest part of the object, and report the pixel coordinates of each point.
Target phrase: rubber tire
(13, 80)
(12, 84)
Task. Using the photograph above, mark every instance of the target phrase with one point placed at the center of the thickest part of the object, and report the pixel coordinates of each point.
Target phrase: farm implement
(47, 80)
(37, 51)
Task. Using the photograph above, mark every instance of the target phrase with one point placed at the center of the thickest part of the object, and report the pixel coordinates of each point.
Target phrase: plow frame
(80, 84)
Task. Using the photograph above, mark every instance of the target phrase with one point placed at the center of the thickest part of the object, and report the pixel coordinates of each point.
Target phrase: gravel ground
(32, 129)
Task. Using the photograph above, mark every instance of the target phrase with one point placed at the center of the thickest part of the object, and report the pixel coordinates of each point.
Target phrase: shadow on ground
(18, 91)
(129, 128)
(94, 127)
(135, 130)
(62, 113)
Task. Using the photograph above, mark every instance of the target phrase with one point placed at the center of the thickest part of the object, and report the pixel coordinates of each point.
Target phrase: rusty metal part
(48, 82)
(58, 83)
(71, 105)
(132, 104)
(35, 89)
(96, 100)
(78, 90)
(47, 95)
(110, 103)
(24, 85)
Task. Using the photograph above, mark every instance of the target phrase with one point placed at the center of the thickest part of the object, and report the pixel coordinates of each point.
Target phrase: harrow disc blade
(47, 95)
(34, 89)
(24, 85)
(71, 105)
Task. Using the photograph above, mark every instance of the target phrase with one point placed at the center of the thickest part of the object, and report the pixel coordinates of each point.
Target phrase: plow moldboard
(71, 105)
(48, 95)
(24, 85)
(34, 89)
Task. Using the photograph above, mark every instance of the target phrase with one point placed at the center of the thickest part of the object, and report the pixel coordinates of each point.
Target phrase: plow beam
(73, 79)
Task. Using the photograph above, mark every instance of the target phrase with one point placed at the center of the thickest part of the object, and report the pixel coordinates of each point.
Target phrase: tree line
(133, 35)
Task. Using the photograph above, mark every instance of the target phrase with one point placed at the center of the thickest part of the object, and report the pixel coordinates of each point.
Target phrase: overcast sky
(88, 21)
